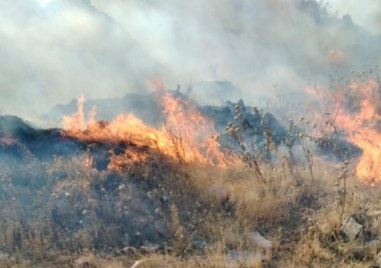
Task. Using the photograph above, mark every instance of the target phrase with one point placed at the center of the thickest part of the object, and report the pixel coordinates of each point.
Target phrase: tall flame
(357, 112)
(364, 131)
(190, 131)
(186, 134)
(77, 120)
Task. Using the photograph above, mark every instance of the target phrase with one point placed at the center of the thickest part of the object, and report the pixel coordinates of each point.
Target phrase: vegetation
(159, 212)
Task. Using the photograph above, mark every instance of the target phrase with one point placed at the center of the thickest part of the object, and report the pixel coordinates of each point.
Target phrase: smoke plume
(52, 53)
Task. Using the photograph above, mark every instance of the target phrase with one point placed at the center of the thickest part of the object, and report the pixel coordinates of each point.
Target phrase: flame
(191, 132)
(362, 130)
(186, 134)
(357, 113)
(77, 120)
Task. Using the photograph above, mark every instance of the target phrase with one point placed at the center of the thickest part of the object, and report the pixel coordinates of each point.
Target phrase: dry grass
(234, 203)
(218, 207)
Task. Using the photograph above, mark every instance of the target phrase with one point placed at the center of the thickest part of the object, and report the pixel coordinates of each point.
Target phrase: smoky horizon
(54, 51)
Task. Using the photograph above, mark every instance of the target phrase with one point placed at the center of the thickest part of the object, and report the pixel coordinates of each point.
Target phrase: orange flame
(77, 120)
(356, 111)
(191, 132)
(186, 135)
(362, 130)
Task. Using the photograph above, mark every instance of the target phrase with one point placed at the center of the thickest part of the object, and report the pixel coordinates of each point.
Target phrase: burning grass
(172, 196)
(354, 110)
(186, 134)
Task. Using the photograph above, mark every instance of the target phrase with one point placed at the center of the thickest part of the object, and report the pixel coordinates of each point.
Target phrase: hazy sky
(366, 13)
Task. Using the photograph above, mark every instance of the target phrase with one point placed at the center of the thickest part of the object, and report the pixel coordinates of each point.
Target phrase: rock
(260, 241)
(351, 228)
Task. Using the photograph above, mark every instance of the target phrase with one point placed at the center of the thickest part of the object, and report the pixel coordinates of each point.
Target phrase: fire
(357, 113)
(192, 134)
(186, 135)
(362, 130)
(77, 121)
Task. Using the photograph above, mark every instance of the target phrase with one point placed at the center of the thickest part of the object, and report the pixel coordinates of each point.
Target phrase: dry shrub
(252, 200)
(216, 205)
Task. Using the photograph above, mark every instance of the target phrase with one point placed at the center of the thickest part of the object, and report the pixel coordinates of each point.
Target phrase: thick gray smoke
(51, 54)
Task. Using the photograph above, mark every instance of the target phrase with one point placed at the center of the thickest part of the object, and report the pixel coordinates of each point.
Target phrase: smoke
(52, 53)
(365, 13)
(264, 47)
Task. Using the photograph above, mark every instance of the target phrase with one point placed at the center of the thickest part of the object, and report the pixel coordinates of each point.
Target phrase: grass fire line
(168, 195)
(187, 135)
